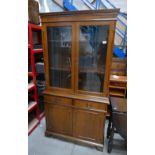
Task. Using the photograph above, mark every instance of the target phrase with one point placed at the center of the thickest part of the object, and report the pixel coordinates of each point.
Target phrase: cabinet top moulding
(107, 14)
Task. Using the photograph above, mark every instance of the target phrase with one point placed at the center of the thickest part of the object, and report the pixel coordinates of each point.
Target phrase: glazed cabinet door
(88, 125)
(92, 57)
(58, 118)
(59, 56)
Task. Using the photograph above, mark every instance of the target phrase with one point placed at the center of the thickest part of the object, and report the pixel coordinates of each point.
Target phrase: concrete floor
(38, 144)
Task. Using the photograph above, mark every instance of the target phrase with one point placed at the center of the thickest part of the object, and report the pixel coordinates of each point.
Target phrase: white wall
(48, 6)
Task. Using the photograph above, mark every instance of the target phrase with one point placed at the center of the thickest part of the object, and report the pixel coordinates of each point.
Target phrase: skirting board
(74, 140)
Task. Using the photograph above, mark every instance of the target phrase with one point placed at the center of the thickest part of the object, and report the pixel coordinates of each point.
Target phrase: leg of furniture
(47, 134)
(99, 148)
(118, 119)
(110, 142)
(109, 127)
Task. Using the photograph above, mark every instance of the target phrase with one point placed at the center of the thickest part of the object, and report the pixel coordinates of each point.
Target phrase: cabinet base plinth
(75, 140)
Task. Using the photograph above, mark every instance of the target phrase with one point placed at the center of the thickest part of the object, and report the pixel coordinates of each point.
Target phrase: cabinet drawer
(80, 104)
(90, 105)
(58, 100)
(100, 106)
(119, 84)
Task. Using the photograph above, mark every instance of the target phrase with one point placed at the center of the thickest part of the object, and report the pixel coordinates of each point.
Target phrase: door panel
(59, 119)
(59, 56)
(88, 125)
(92, 52)
(59, 48)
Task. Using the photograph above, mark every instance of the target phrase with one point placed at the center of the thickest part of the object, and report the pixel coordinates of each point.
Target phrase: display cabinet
(77, 55)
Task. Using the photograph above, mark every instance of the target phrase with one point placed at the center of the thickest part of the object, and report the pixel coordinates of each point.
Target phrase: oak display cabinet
(77, 55)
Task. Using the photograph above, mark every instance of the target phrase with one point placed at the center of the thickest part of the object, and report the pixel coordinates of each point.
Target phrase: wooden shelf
(116, 93)
(38, 50)
(91, 70)
(31, 105)
(116, 78)
(87, 70)
(32, 125)
(117, 87)
(31, 86)
(61, 69)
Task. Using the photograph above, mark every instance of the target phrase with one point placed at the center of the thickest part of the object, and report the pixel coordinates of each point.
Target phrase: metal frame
(32, 74)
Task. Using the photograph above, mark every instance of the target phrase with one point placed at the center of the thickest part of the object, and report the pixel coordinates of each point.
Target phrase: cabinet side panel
(109, 57)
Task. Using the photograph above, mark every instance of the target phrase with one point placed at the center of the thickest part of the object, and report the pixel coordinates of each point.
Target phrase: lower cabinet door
(59, 119)
(88, 125)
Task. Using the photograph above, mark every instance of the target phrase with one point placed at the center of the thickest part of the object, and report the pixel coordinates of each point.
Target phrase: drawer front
(80, 104)
(119, 84)
(100, 106)
(58, 100)
(90, 105)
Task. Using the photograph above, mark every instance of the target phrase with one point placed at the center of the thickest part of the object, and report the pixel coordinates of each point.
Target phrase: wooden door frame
(46, 57)
(111, 34)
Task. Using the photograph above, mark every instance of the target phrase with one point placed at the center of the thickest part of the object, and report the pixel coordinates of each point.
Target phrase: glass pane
(59, 49)
(92, 57)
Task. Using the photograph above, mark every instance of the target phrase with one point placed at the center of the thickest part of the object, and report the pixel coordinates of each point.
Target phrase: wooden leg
(99, 148)
(47, 134)
(109, 128)
(110, 142)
